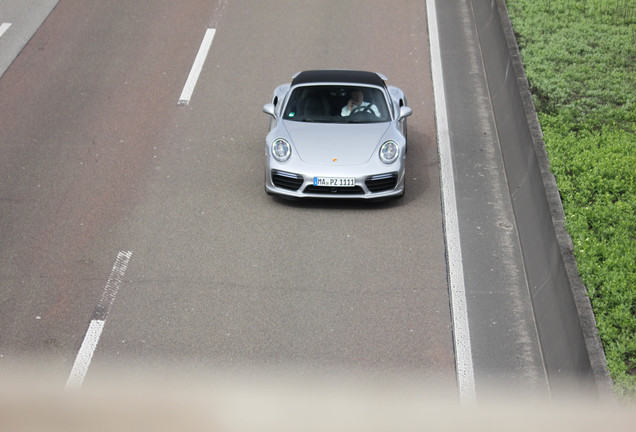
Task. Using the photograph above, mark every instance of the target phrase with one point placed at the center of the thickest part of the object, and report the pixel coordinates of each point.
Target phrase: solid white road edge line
(4, 27)
(193, 77)
(85, 354)
(463, 351)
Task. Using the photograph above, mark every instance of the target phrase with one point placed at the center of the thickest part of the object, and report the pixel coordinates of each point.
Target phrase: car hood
(329, 143)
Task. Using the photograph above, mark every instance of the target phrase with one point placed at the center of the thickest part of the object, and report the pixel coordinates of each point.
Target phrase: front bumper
(372, 186)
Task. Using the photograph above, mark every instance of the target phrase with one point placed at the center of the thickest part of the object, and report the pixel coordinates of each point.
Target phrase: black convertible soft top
(341, 76)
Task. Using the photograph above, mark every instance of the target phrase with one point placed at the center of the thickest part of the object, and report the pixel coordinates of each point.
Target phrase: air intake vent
(286, 180)
(326, 190)
(381, 182)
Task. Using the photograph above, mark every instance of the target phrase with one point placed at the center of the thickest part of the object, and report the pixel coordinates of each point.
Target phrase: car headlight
(281, 150)
(389, 152)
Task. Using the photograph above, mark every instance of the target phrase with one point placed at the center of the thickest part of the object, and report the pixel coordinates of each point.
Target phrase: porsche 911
(336, 134)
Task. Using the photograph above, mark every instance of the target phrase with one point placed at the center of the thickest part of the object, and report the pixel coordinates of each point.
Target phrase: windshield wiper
(318, 120)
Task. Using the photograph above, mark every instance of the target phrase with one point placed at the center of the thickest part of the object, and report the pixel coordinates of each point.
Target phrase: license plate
(335, 181)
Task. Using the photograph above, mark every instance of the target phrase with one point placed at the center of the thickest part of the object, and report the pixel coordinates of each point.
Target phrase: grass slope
(580, 58)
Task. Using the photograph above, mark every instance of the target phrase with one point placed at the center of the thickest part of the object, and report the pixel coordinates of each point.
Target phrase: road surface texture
(122, 206)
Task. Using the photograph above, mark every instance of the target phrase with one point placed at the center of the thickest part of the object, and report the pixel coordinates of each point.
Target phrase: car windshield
(337, 104)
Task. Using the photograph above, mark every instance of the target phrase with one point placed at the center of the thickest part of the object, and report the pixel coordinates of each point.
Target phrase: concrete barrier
(565, 321)
(24, 17)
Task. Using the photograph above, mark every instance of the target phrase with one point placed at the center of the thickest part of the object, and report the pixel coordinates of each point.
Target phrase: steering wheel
(363, 108)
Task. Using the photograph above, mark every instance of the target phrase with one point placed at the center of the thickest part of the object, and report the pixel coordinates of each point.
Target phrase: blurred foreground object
(275, 404)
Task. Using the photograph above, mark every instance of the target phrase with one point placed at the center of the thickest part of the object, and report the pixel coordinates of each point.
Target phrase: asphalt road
(99, 158)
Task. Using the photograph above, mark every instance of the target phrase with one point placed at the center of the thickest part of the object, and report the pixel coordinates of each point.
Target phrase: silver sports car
(336, 134)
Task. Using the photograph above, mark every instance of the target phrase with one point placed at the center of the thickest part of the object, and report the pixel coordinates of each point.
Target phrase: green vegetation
(580, 58)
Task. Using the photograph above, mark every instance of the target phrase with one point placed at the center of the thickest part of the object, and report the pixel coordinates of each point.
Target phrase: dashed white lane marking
(4, 27)
(193, 77)
(463, 350)
(85, 354)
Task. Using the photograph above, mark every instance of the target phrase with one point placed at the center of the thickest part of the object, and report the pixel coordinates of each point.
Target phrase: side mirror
(270, 109)
(405, 112)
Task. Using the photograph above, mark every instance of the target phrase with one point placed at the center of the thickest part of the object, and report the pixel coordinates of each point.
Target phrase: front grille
(381, 182)
(326, 190)
(286, 180)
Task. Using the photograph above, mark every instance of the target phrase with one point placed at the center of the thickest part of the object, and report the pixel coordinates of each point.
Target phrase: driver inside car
(357, 104)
